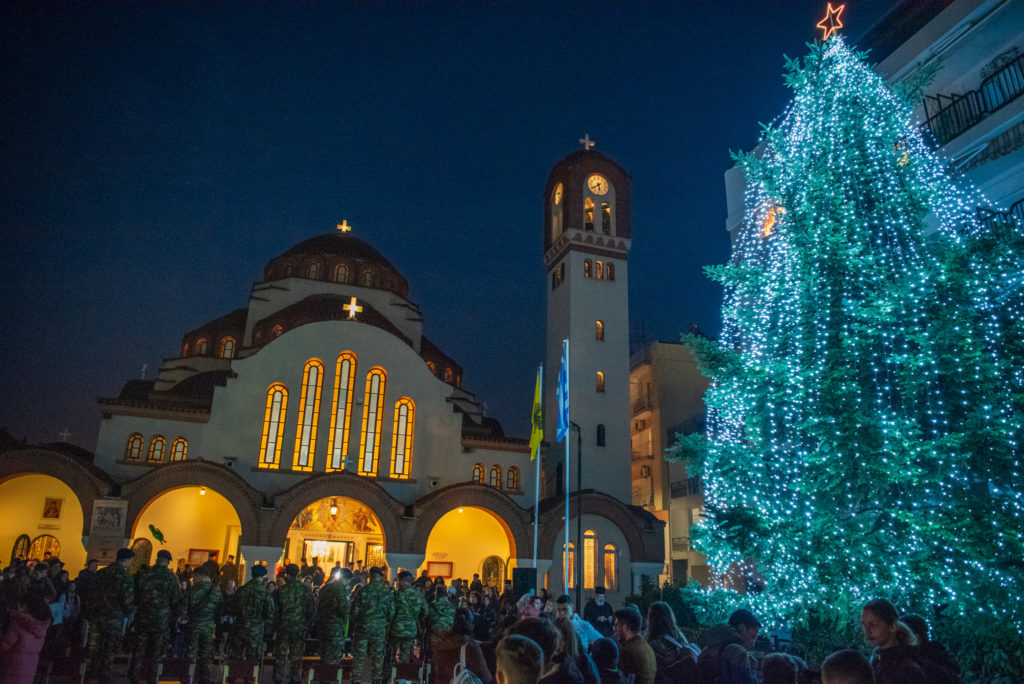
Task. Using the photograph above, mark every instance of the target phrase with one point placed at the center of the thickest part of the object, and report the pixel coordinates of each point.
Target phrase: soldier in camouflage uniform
(157, 598)
(332, 618)
(109, 602)
(255, 607)
(410, 614)
(440, 616)
(372, 611)
(294, 601)
(202, 601)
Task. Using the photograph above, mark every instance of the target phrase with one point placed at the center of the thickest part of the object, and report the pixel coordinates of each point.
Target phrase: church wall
(189, 520)
(464, 537)
(113, 440)
(607, 533)
(22, 503)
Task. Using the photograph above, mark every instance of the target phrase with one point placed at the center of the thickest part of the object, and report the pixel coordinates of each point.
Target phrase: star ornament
(831, 23)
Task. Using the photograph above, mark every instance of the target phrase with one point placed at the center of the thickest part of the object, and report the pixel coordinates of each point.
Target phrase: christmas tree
(865, 411)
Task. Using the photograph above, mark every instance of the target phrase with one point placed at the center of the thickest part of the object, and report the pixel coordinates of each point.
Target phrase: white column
(404, 561)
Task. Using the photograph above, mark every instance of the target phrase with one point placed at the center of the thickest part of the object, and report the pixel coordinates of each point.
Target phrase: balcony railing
(957, 113)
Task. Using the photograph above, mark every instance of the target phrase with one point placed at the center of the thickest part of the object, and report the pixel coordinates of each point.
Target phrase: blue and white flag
(562, 394)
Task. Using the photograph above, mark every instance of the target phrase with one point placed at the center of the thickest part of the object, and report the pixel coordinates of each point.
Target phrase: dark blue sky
(154, 156)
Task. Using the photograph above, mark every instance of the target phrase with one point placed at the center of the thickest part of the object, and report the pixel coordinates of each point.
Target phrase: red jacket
(20, 647)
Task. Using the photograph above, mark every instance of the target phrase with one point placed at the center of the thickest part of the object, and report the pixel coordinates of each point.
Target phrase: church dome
(338, 257)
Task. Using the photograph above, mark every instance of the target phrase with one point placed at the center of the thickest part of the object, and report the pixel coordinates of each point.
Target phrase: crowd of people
(459, 632)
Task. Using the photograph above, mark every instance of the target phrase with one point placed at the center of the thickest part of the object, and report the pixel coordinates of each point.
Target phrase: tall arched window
(156, 449)
(133, 448)
(309, 415)
(201, 346)
(611, 580)
(589, 559)
(184, 348)
(609, 270)
(368, 278)
(600, 382)
(588, 214)
(432, 368)
(401, 447)
(448, 375)
(600, 434)
(273, 426)
(606, 218)
(341, 273)
(512, 479)
(277, 331)
(478, 473)
(599, 270)
(341, 411)
(227, 348)
(373, 408)
(313, 272)
(179, 449)
(588, 268)
(570, 563)
(495, 480)
(599, 331)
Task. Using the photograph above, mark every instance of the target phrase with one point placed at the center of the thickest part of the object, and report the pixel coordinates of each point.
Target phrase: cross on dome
(831, 23)
(352, 308)
(64, 435)
(344, 227)
(587, 142)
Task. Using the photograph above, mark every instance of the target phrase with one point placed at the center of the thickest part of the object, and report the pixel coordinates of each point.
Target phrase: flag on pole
(562, 394)
(537, 434)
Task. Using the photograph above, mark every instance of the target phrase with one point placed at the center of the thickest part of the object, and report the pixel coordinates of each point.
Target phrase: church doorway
(336, 531)
(191, 522)
(469, 540)
(40, 514)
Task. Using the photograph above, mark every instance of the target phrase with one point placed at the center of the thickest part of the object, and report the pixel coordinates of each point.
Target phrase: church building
(320, 422)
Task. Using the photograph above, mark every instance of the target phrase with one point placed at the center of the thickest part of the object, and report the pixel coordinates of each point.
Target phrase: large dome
(341, 258)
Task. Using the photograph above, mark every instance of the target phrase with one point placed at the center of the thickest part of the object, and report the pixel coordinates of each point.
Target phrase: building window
(341, 273)
(600, 382)
(401, 448)
(495, 477)
(184, 348)
(589, 559)
(599, 331)
(611, 582)
(309, 415)
(569, 561)
(227, 348)
(599, 270)
(588, 268)
(432, 368)
(277, 331)
(179, 449)
(600, 435)
(133, 448)
(588, 214)
(368, 279)
(373, 408)
(313, 270)
(609, 270)
(341, 411)
(478, 473)
(201, 346)
(512, 479)
(448, 375)
(289, 271)
(156, 449)
(645, 471)
(606, 218)
(273, 426)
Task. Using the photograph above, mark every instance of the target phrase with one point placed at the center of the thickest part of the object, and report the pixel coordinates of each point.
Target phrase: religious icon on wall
(108, 518)
(52, 508)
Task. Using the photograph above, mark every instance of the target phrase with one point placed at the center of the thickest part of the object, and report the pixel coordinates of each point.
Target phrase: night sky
(154, 156)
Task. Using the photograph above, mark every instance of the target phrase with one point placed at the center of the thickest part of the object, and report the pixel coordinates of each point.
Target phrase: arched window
(599, 270)
(20, 549)
(606, 218)
(313, 271)
(512, 479)
(201, 346)
(401, 447)
(277, 331)
(368, 278)
(156, 449)
(599, 331)
(600, 435)
(289, 271)
(341, 411)
(556, 211)
(432, 368)
(179, 449)
(273, 426)
(645, 471)
(609, 270)
(227, 348)
(341, 273)
(184, 348)
(588, 214)
(611, 581)
(589, 559)
(478, 473)
(600, 382)
(133, 448)
(448, 375)
(43, 544)
(588, 268)
(569, 561)
(309, 415)
(373, 408)
(495, 480)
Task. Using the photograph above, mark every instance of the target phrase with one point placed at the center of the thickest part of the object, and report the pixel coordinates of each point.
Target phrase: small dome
(339, 258)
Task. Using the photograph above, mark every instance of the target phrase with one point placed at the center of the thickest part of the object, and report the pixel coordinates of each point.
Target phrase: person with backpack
(725, 658)
(457, 645)
(675, 656)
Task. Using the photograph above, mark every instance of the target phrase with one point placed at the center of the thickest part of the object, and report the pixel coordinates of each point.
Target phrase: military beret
(125, 553)
(164, 553)
(259, 571)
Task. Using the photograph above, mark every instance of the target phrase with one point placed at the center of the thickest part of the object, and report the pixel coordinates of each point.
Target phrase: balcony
(682, 544)
(957, 113)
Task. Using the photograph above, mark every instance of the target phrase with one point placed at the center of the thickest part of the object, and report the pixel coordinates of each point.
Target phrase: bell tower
(587, 230)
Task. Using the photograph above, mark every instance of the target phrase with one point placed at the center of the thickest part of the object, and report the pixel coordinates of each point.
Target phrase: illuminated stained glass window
(133, 449)
(309, 415)
(313, 272)
(600, 382)
(478, 473)
(495, 477)
(606, 218)
(179, 449)
(599, 270)
(512, 479)
(341, 273)
(276, 332)
(599, 331)
(588, 214)
(401, 447)
(184, 349)
(588, 268)
(373, 408)
(156, 449)
(341, 411)
(589, 559)
(570, 563)
(432, 367)
(611, 582)
(201, 346)
(448, 375)
(273, 426)
(227, 348)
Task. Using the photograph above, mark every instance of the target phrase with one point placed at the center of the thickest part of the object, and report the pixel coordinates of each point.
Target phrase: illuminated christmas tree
(865, 412)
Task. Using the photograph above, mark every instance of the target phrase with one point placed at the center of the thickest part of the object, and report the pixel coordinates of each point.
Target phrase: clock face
(597, 184)
(558, 194)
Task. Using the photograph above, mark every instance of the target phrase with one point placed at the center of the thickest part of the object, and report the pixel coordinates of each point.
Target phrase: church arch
(641, 530)
(430, 509)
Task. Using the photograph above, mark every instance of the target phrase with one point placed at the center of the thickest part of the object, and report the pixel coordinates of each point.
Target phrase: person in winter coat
(676, 657)
(23, 640)
(939, 665)
(410, 614)
(894, 659)
(446, 649)
(724, 657)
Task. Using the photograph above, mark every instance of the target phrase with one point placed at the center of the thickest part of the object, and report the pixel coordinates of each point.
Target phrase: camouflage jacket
(202, 601)
(440, 615)
(293, 601)
(333, 605)
(157, 594)
(410, 611)
(253, 605)
(111, 594)
(374, 607)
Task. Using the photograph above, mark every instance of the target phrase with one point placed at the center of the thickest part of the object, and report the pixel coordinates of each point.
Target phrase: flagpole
(536, 476)
(565, 564)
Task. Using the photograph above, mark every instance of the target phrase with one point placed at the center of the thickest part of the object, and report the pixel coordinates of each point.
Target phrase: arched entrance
(48, 513)
(469, 540)
(191, 522)
(336, 530)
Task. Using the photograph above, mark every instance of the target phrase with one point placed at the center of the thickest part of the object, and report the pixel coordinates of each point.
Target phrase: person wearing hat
(157, 600)
(294, 603)
(332, 616)
(255, 607)
(111, 599)
(410, 613)
(372, 611)
(599, 613)
(725, 654)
